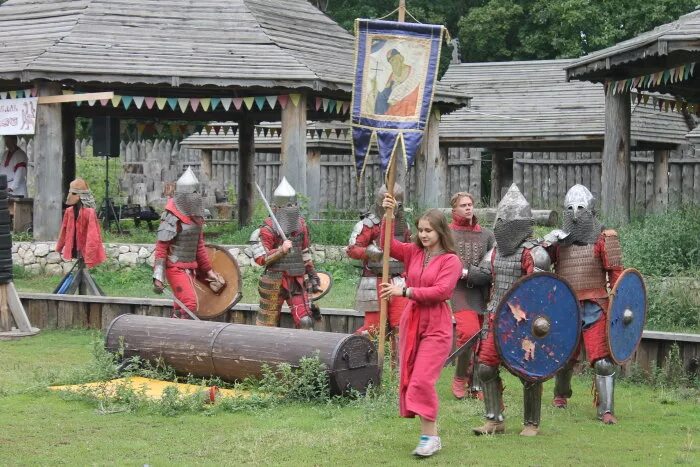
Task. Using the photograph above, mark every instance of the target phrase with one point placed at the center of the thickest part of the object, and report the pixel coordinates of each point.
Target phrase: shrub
(671, 307)
(306, 383)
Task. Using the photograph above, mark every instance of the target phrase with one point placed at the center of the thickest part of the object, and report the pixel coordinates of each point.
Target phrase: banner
(17, 116)
(396, 67)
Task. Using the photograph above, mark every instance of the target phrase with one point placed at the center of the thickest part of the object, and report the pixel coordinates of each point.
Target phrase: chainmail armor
(579, 265)
(506, 270)
(583, 228)
(190, 204)
(289, 218)
(292, 263)
(183, 248)
(471, 247)
(510, 234)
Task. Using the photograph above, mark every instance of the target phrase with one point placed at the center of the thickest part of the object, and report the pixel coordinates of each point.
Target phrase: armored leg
(605, 388)
(460, 381)
(562, 385)
(532, 404)
(306, 323)
(493, 397)
(475, 381)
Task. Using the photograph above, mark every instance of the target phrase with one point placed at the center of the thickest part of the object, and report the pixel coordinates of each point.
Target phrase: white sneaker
(427, 446)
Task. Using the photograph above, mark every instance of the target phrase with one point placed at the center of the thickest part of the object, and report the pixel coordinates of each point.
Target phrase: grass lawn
(657, 426)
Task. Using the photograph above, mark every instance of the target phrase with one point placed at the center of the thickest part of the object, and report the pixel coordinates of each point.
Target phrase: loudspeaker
(105, 136)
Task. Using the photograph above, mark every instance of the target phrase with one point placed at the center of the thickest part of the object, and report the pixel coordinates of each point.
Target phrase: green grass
(657, 427)
(136, 282)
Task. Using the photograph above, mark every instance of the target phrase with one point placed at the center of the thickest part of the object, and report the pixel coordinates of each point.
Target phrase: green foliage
(92, 170)
(307, 383)
(664, 245)
(671, 375)
(545, 29)
(671, 307)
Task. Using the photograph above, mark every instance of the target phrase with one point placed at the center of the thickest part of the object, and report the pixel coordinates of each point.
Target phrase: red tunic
(426, 327)
(88, 236)
(162, 247)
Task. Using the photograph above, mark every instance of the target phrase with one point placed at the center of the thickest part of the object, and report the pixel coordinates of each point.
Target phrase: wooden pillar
(615, 191)
(246, 172)
(206, 164)
(432, 168)
(313, 182)
(48, 165)
(661, 157)
(68, 132)
(501, 174)
(293, 150)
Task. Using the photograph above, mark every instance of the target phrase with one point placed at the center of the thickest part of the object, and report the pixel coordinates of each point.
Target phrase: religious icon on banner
(395, 72)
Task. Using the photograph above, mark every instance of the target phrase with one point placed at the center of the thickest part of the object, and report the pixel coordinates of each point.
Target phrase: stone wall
(40, 257)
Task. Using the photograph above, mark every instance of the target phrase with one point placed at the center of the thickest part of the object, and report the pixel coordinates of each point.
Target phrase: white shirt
(14, 166)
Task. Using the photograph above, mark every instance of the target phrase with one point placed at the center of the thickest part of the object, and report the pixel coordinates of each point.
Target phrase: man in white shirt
(14, 165)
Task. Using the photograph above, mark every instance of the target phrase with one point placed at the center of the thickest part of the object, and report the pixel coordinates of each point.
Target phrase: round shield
(326, 284)
(537, 326)
(210, 304)
(626, 315)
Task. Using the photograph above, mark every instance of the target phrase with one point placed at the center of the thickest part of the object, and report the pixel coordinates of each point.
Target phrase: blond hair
(459, 195)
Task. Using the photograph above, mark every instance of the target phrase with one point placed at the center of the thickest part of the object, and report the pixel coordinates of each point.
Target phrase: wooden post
(68, 134)
(206, 164)
(661, 157)
(615, 191)
(313, 181)
(293, 150)
(246, 172)
(48, 165)
(5, 317)
(402, 11)
(434, 167)
(388, 233)
(501, 174)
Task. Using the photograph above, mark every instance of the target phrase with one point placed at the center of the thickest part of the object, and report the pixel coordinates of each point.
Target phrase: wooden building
(659, 61)
(224, 60)
(547, 134)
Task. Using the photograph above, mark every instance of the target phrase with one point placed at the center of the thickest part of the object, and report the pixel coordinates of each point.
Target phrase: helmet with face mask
(187, 196)
(79, 191)
(286, 207)
(580, 221)
(399, 213)
(514, 221)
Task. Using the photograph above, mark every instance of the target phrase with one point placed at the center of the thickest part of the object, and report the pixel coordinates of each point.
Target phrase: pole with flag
(395, 73)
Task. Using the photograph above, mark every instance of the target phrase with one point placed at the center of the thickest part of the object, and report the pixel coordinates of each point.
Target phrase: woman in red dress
(433, 270)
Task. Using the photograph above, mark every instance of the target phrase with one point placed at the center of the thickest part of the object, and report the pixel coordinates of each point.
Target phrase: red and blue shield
(627, 315)
(537, 326)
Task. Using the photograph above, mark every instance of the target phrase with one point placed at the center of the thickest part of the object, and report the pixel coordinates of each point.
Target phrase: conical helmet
(513, 206)
(579, 197)
(398, 195)
(79, 190)
(284, 195)
(188, 199)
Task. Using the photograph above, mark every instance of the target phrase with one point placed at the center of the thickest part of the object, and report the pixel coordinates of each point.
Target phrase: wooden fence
(545, 177)
(49, 311)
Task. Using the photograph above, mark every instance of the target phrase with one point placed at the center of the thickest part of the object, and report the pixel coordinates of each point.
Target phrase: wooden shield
(210, 304)
(627, 315)
(326, 284)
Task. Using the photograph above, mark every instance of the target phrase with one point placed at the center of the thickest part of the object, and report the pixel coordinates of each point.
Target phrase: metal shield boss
(210, 304)
(326, 284)
(537, 326)
(627, 315)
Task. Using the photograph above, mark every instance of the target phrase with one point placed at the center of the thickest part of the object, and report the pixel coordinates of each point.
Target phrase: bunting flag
(395, 71)
(671, 75)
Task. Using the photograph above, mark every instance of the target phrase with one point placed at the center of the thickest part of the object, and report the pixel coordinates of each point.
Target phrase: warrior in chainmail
(289, 270)
(81, 236)
(589, 257)
(515, 255)
(180, 255)
(468, 301)
(366, 245)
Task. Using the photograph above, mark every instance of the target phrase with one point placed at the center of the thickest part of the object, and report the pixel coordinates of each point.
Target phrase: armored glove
(315, 312)
(313, 284)
(373, 252)
(216, 283)
(158, 286)
(555, 236)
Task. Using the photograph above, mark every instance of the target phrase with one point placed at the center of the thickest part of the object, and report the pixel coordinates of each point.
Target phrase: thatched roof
(531, 102)
(664, 47)
(221, 43)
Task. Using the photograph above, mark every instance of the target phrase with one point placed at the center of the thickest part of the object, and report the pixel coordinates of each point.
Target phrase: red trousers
(182, 284)
(488, 355)
(469, 323)
(595, 340)
(394, 311)
(299, 306)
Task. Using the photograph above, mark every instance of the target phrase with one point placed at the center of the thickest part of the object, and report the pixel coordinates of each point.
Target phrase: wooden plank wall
(545, 177)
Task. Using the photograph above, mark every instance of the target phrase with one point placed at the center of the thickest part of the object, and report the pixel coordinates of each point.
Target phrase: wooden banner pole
(388, 233)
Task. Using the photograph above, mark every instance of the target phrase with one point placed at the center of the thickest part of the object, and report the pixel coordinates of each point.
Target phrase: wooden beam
(293, 147)
(246, 170)
(661, 159)
(48, 165)
(313, 181)
(435, 170)
(615, 192)
(62, 98)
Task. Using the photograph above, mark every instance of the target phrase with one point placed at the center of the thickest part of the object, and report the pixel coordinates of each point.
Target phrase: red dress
(85, 232)
(426, 327)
